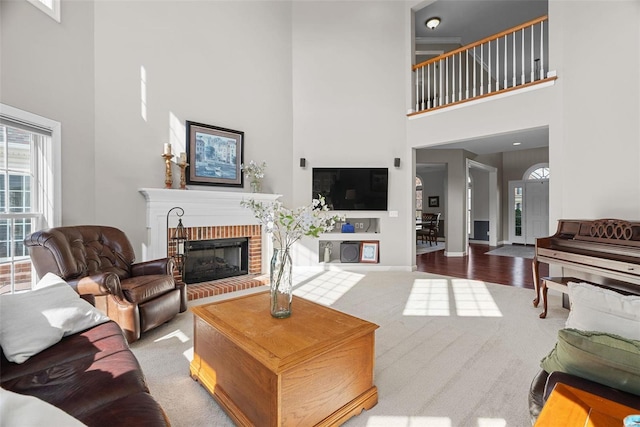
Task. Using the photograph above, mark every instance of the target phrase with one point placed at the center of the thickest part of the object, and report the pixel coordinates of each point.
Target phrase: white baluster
(423, 105)
(506, 58)
(498, 63)
(441, 92)
(474, 71)
(489, 61)
(481, 70)
(446, 80)
(453, 78)
(466, 90)
(522, 54)
(514, 71)
(428, 87)
(533, 77)
(460, 76)
(541, 50)
(415, 73)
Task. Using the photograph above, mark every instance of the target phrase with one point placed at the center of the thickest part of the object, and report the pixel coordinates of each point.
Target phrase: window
(418, 199)
(50, 7)
(538, 171)
(28, 190)
(517, 206)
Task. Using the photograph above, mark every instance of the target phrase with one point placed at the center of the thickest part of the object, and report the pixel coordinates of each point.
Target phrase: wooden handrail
(486, 95)
(480, 42)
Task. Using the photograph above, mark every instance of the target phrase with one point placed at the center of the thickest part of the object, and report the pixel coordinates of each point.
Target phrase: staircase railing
(512, 59)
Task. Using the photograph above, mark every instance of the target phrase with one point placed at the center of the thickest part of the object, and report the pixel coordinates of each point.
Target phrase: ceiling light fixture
(432, 23)
(516, 143)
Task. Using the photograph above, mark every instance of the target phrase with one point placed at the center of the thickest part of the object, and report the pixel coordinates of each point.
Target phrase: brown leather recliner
(98, 262)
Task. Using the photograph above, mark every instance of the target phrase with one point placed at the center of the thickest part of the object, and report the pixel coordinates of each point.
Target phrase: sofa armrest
(98, 285)
(536, 395)
(156, 266)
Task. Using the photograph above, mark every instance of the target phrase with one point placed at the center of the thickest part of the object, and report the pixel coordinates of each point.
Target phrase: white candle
(167, 148)
(183, 157)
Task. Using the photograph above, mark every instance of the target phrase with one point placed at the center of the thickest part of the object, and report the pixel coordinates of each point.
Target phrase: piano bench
(557, 284)
(561, 284)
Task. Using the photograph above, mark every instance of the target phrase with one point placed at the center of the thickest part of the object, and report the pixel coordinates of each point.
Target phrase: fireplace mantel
(201, 209)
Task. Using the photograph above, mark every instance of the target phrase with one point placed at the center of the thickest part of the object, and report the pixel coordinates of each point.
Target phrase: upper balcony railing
(512, 59)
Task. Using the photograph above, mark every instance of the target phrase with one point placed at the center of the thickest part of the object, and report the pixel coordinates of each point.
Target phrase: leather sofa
(92, 376)
(99, 261)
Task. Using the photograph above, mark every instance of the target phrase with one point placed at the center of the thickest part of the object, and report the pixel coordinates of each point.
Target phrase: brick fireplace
(207, 215)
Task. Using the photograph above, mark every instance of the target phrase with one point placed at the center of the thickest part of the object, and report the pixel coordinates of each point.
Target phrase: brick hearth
(255, 277)
(223, 286)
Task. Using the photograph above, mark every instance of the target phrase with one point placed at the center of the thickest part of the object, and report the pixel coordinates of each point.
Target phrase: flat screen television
(352, 189)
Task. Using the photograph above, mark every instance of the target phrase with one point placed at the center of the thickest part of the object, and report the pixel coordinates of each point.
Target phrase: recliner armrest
(156, 266)
(98, 285)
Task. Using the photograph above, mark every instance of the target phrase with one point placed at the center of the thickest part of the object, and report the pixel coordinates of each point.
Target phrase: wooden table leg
(544, 299)
(536, 280)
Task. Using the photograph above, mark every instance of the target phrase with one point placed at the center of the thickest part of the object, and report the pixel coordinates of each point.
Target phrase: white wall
(348, 103)
(594, 136)
(225, 64)
(46, 68)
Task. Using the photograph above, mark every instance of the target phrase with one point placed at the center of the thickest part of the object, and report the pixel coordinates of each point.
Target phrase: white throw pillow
(603, 310)
(33, 321)
(49, 279)
(20, 410)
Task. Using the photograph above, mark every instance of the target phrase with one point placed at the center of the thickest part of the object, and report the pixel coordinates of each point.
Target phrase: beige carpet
(449, 352)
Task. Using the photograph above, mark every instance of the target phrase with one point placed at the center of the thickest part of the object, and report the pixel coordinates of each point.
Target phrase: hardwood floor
(476, 265)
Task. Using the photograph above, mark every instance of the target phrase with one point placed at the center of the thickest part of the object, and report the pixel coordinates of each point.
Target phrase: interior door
(536, 215)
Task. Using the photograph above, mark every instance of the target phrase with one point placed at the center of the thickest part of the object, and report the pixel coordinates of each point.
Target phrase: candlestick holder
(183, 175)
(168, 177)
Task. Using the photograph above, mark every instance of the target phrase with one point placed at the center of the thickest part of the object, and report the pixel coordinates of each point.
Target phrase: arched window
(418, 198)
(537, 171)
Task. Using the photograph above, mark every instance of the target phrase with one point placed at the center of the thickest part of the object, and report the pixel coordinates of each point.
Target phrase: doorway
(528, 210)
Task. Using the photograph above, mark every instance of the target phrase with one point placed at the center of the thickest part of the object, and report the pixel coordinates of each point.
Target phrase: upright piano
(604, 252)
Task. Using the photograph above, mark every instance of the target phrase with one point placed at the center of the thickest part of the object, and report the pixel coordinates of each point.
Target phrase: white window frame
(50, 210)
(53, 11)
(527, 175)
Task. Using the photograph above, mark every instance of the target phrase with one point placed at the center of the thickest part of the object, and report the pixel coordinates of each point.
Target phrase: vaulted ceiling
(464, 22)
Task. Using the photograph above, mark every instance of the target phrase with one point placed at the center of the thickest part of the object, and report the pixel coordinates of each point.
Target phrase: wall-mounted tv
(352, 189)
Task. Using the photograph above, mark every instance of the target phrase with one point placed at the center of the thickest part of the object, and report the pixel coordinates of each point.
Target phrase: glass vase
(281, 286)
(255, 186)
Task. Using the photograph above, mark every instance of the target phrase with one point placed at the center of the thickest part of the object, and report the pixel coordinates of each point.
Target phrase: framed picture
(434, 201)
(214, 155)
(369, 251)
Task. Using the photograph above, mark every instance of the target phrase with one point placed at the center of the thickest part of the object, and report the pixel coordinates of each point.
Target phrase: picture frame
(215, 155)
(369, 251)
(434, 201)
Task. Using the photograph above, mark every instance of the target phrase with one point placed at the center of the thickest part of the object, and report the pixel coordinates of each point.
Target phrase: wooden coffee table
(313, 368)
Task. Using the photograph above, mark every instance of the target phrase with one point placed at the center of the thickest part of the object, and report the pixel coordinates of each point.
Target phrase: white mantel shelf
(201, 209)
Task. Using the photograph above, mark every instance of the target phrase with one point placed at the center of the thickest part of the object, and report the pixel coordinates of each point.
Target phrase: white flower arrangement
(254, 171)
(288, 226)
